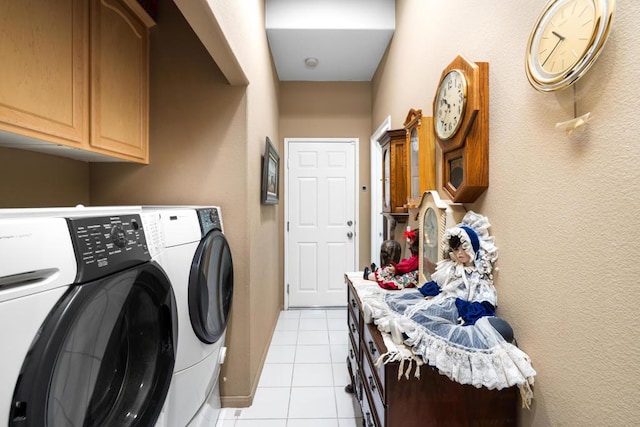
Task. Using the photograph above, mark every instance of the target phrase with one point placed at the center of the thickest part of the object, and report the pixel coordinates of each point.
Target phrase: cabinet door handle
(353, 328)
(372, 348)
(353, 303)
(351, 355)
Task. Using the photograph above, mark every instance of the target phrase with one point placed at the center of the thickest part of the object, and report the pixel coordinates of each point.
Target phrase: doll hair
(415, 245)
(390, 252)
(454, 242)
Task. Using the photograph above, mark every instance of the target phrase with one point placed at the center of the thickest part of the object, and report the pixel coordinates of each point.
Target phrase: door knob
(349, 234)
(349, 223)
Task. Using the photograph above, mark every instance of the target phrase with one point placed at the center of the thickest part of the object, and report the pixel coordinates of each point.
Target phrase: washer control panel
(106, 244)
(209, 219)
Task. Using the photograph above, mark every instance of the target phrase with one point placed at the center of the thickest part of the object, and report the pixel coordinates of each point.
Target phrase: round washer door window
(105, 355)
(211, 287)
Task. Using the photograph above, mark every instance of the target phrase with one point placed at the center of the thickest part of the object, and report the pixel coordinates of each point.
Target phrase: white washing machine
(87, 320)
(197, 259)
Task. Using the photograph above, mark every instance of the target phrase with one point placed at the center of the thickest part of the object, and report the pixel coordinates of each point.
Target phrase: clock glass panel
(387, 182)
(450, 104)
(456, 172)
(430, 238)
(415, 165)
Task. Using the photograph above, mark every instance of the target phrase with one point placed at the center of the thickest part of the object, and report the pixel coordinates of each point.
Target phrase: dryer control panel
(106, 244)
(209, 219)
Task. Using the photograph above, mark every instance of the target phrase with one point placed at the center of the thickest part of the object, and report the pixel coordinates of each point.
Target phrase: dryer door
(211, 287)
(104, 355)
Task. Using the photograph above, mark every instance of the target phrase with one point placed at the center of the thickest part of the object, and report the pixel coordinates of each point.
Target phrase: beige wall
(334, 110)
(29, 179)
(563, 208)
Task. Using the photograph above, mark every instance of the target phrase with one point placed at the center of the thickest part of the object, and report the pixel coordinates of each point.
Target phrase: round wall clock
(566, 40)
(450, 104)
(461, 127)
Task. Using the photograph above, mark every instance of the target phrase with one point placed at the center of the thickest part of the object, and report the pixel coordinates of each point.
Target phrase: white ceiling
(347, 37)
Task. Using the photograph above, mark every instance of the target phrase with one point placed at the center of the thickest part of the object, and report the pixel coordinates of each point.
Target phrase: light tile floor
(303, 379)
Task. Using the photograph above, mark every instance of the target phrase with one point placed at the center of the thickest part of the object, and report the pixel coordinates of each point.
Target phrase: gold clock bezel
(463, 78)
(544, 81)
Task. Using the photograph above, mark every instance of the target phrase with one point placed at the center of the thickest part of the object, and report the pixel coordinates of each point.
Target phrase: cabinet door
(119, 81)
(44, 72)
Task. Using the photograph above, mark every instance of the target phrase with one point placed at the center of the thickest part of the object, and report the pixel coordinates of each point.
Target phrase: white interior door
(321, 220)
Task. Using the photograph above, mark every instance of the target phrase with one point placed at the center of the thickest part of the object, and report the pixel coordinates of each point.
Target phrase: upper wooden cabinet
(44, 77)
(119, 81)
(75, 75)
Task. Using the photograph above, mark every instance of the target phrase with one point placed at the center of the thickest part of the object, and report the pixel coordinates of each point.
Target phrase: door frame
(356, 172)
(377, 227)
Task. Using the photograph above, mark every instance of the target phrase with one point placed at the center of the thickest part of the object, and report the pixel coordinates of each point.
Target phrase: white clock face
(566, 40)
(450, 104)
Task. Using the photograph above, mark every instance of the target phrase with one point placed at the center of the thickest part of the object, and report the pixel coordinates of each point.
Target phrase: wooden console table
(431, 400)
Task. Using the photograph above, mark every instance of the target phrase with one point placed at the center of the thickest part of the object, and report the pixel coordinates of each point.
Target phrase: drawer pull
(372, 348)
(369, 420)
(372, 383)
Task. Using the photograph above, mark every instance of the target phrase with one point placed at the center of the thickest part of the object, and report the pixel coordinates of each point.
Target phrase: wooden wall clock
(421, 154)
(434, 217)
(461, 125)
(394, 158)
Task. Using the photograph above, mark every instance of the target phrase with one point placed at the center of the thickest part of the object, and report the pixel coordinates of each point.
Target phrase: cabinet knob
(372, 383)
(372, 348)
(369, 420)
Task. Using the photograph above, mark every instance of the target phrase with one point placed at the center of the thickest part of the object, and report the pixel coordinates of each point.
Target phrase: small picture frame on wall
(270, 175)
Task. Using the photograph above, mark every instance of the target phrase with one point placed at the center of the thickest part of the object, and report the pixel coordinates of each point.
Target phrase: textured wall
(29, 179)
(563, 208)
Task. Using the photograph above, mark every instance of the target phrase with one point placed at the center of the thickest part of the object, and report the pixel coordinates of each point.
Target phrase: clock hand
(560, 39)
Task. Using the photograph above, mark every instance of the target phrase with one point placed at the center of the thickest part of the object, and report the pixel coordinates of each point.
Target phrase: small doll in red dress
(403, 274)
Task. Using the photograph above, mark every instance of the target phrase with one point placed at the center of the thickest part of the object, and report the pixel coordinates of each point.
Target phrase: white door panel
(321, 221)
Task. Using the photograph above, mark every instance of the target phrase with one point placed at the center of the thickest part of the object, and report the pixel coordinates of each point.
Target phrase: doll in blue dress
(449, 322)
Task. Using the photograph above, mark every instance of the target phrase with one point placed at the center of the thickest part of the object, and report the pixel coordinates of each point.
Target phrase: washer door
(211, 287)
(104, 355)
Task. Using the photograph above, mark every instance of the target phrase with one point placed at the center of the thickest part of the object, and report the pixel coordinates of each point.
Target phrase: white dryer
(197, 262)
(87, 320)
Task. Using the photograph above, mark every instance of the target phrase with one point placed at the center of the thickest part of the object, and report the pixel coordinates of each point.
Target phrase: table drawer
(374, 348)
(353, 303)
(371, 381)
(369, 417)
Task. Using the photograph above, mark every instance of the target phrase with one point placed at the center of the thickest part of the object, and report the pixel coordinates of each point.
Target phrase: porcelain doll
(402, 274)
(449, 322)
